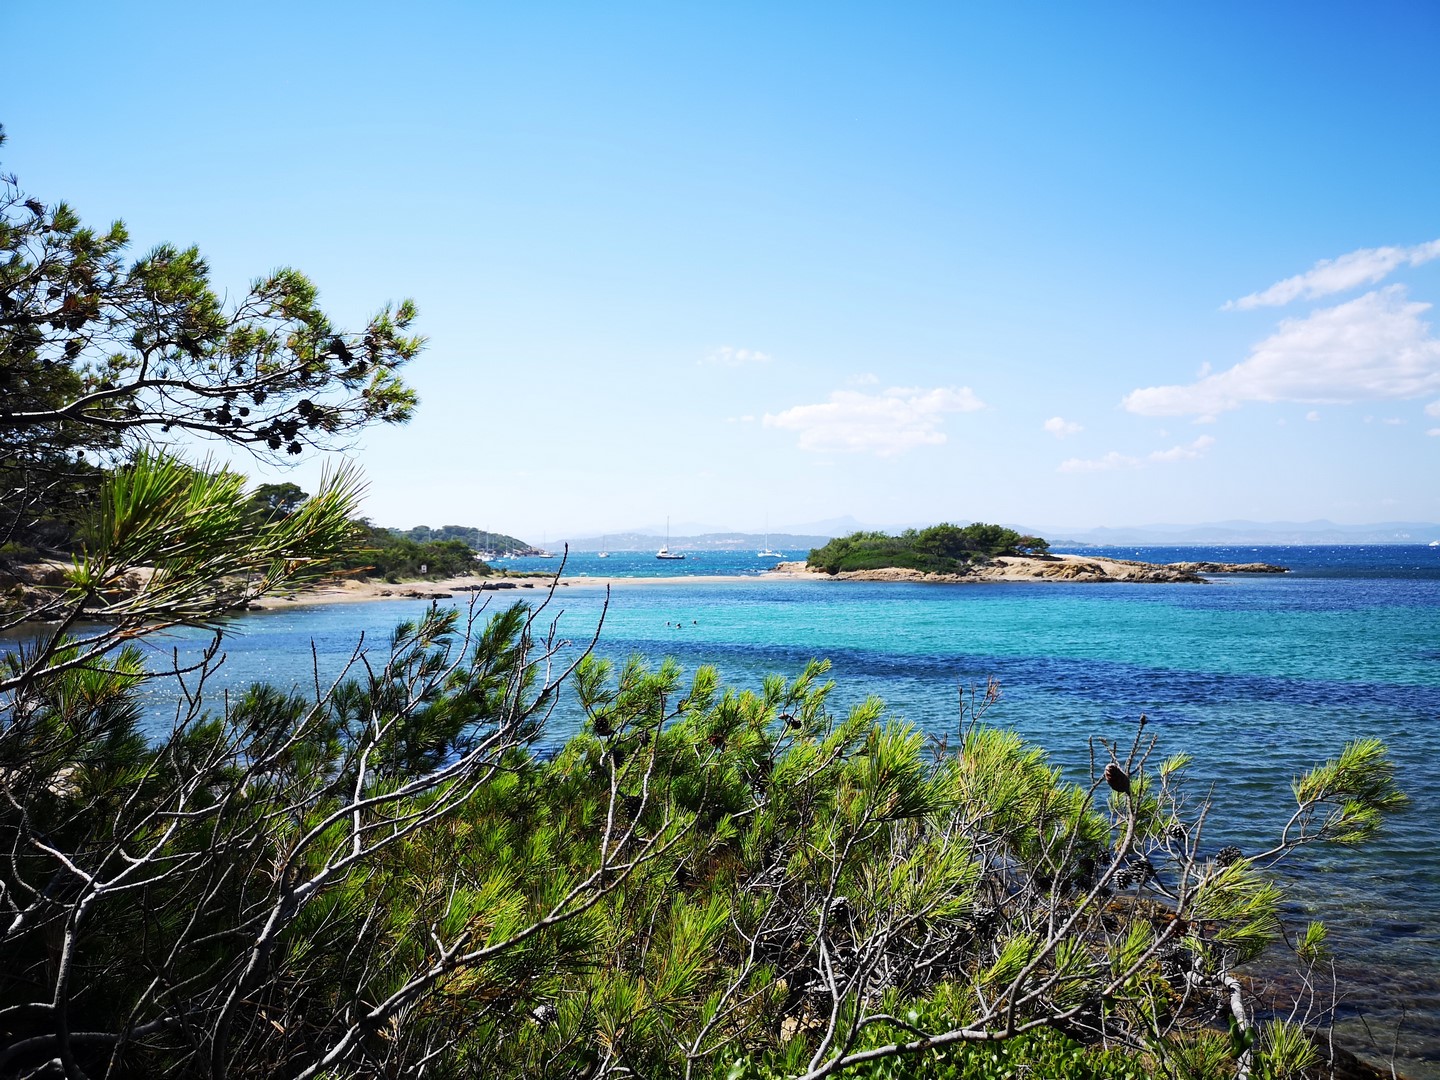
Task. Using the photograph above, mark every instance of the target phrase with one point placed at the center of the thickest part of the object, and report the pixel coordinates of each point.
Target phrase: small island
(947, 553)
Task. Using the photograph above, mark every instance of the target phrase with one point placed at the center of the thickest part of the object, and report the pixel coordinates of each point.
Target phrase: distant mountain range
(799, 541)
(1225, 533)
(794, 544)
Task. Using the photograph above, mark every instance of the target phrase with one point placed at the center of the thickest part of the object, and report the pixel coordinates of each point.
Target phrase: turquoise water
(1256, 677)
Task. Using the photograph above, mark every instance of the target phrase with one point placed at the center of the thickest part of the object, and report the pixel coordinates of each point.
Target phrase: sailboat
(603, 553)
(665, 552)
(767, 553)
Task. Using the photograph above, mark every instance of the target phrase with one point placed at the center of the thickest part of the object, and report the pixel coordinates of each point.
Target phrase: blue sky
(1054, 265)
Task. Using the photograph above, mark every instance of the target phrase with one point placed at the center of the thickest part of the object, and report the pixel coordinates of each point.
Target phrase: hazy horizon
(1401, 532)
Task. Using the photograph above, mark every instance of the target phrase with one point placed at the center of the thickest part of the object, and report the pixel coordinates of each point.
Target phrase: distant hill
(478, 539)
(795, 544)
(819, 533)
(1225, 533)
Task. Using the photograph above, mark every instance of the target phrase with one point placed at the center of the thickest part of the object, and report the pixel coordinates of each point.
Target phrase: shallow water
(1257, 677)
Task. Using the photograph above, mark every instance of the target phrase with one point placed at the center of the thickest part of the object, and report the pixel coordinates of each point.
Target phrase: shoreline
(1069, 568)
(1037, 569)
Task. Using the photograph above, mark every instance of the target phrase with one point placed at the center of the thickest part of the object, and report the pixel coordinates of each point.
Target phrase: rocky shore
(1048, 568)
(1231, 568)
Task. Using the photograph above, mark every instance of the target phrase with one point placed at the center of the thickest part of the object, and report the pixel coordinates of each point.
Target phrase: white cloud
(1113, 460)
(1364, 267)
(1060, 427)
(1433, 431)
(863, 379)
(1370, 348)
(730, 356)
(1188, 452)
(888, 423)
(1312, 416)
(1433, 409)
(1393, 421)
(1116, 460)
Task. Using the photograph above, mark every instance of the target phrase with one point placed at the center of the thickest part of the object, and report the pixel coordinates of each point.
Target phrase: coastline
(1046, 568)
(1069, 568)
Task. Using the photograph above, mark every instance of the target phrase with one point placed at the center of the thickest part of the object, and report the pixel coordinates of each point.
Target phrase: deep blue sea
(1256, 677)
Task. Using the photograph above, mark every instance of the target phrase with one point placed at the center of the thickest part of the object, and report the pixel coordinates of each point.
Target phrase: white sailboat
(767, 553)
(603, 553)
(665, 552)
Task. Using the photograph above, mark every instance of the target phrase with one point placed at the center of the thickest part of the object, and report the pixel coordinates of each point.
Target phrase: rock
(1230, 568)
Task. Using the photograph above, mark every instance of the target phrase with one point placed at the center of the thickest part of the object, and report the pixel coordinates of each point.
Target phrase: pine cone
(1226, 856)
(1117, 777)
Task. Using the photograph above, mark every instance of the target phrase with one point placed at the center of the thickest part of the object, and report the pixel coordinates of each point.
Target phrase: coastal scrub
(939, 549)
(383, 877)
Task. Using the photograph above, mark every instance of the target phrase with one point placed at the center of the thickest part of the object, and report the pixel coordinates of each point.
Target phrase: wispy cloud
(865, 378)
(1374, 347)
(1433, 409)
(1115, 460)
(1328, 276)
(885, 424)
(730, 356)
(1312, 416)
(1061, 428)
(1188, 452)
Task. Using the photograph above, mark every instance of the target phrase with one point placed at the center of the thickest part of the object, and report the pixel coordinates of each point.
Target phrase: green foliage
(729, 881)
(381, 553)
(1286, 1050)
(477, 539)
(99, 356)
(268, 501)
(1043, 1053)
(940, 549)
(202, 553)
(1356, 791)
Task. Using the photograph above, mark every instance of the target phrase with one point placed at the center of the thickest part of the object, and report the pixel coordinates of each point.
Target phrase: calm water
(1256, 677)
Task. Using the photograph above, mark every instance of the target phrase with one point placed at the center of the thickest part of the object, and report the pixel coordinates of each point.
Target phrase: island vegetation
(392, 555)
(939, 549)
(402, 874)
(482, 541)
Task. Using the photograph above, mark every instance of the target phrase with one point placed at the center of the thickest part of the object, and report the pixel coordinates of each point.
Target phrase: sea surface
(1256, 676)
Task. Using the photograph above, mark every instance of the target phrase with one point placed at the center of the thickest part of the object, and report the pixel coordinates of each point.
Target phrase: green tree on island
(939, 549)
